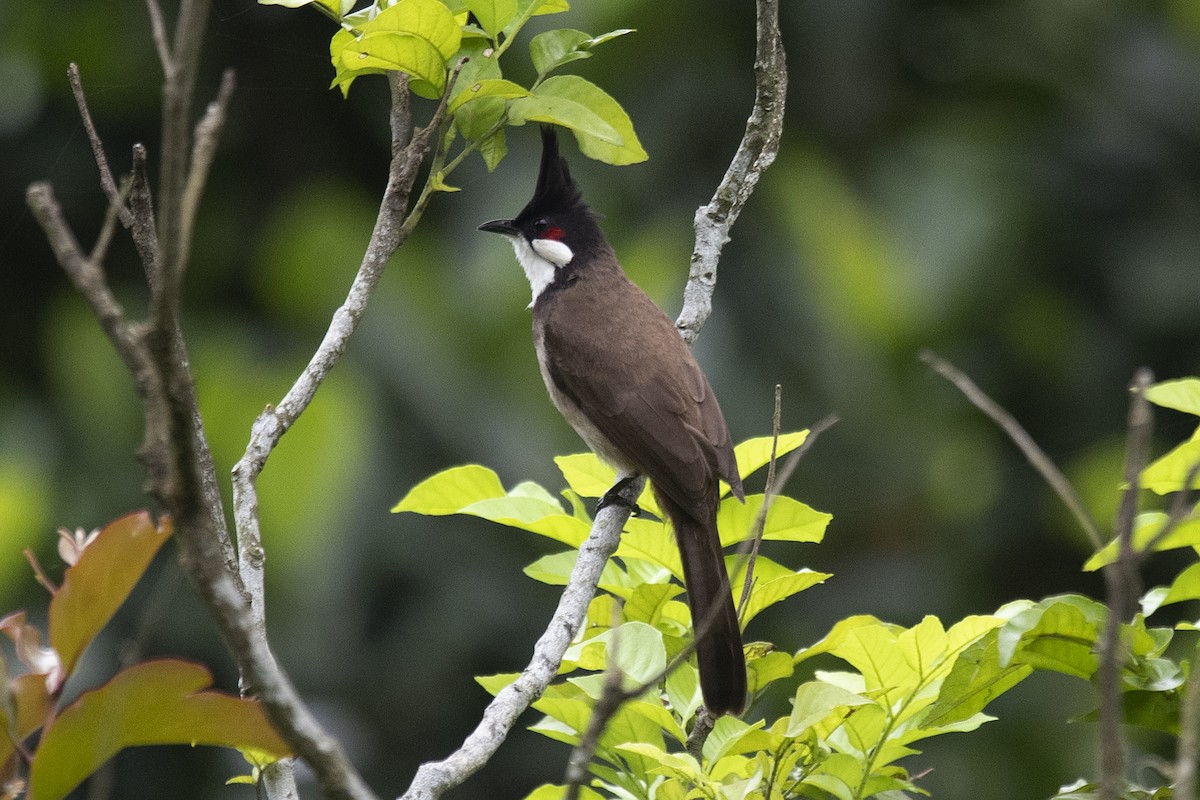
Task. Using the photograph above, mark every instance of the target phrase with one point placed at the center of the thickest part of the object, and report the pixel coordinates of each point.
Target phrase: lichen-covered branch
(757, 151)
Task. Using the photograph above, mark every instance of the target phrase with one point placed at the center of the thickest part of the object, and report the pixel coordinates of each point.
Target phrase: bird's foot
(613, 497)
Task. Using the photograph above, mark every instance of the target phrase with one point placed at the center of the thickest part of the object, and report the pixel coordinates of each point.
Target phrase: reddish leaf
(94, 588)
(31, 702)
(155, 702)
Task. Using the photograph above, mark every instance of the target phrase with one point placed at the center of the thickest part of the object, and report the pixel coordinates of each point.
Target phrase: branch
(293, 720)
(1188, 745)
(435, 777)
(759, 145)
(1034, 454)
(204, 147)
(1121, 582)
(107, 183)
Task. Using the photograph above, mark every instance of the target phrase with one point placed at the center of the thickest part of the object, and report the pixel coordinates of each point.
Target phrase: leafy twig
(1034, 454)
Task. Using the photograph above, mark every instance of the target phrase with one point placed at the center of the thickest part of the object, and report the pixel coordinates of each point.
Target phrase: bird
(621, 375)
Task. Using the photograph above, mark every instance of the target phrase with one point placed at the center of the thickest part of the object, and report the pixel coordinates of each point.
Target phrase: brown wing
(646, 394)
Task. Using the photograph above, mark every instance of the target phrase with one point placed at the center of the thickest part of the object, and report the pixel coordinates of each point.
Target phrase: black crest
(555, 191)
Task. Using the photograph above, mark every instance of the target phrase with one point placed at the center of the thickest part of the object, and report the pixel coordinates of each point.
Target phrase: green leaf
(640, 653)
(552, 49)
(601, 127)
(678, 765)
(976, 679)
(1186, 586)
(815, 701)
(754, 454)
(840, 775)
(1146, 527)
(338, 8)
(555, 569)
(650, 541)
(96, 586)
(493, 15)
(548, 791)
(492, 684)
(765, 669)
(648, 600)
(1168, 473)
(429, 19)
(1181, 395)
(451, 490)
(788, 520)
(773, 582)
(155, 702)
(489, 87)
(837, 635)
(588, 476)
(1057, 634)
(726, 737)
(400, 51)
(416, 37)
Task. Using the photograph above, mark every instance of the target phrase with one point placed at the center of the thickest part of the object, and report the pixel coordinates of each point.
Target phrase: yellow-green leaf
(451, 490)
(429, 19)
(601, 126)
(754, 454)
(1147, 526)
(493, 15)
(488, 87)
(1181, 395)
(772, 583)
(1168, 473)
(816, 700)
(788, 520)
(401, 51)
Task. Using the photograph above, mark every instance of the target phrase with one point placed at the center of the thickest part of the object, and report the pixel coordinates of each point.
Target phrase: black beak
(504, 226)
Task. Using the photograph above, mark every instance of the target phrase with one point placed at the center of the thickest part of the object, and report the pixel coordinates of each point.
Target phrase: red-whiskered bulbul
(622, 376)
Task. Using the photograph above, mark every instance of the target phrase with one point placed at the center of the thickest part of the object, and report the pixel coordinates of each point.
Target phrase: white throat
(540, 260)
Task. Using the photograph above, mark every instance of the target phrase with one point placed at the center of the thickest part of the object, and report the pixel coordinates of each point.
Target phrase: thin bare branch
(158, 30)
(1034, 454)
(1188, 745)
(757, 151)
(752, 558)
(85, 274)
(115, 208)
(107, 182)
(204, 147)
(1121, 583)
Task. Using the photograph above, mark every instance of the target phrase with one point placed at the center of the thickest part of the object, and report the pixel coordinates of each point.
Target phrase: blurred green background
(1013, 183)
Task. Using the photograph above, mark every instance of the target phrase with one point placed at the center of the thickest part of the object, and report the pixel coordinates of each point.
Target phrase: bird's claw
(613, 497)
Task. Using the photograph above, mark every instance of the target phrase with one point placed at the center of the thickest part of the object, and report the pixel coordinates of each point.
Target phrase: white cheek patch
(538, 269)
(553, 251)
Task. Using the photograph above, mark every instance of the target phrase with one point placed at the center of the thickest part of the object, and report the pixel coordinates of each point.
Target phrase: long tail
(719, 646)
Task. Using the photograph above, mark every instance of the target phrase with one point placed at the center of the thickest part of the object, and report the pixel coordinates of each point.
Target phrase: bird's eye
(540, 225)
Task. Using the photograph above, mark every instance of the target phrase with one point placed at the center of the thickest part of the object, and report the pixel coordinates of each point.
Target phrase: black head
(557, 211)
